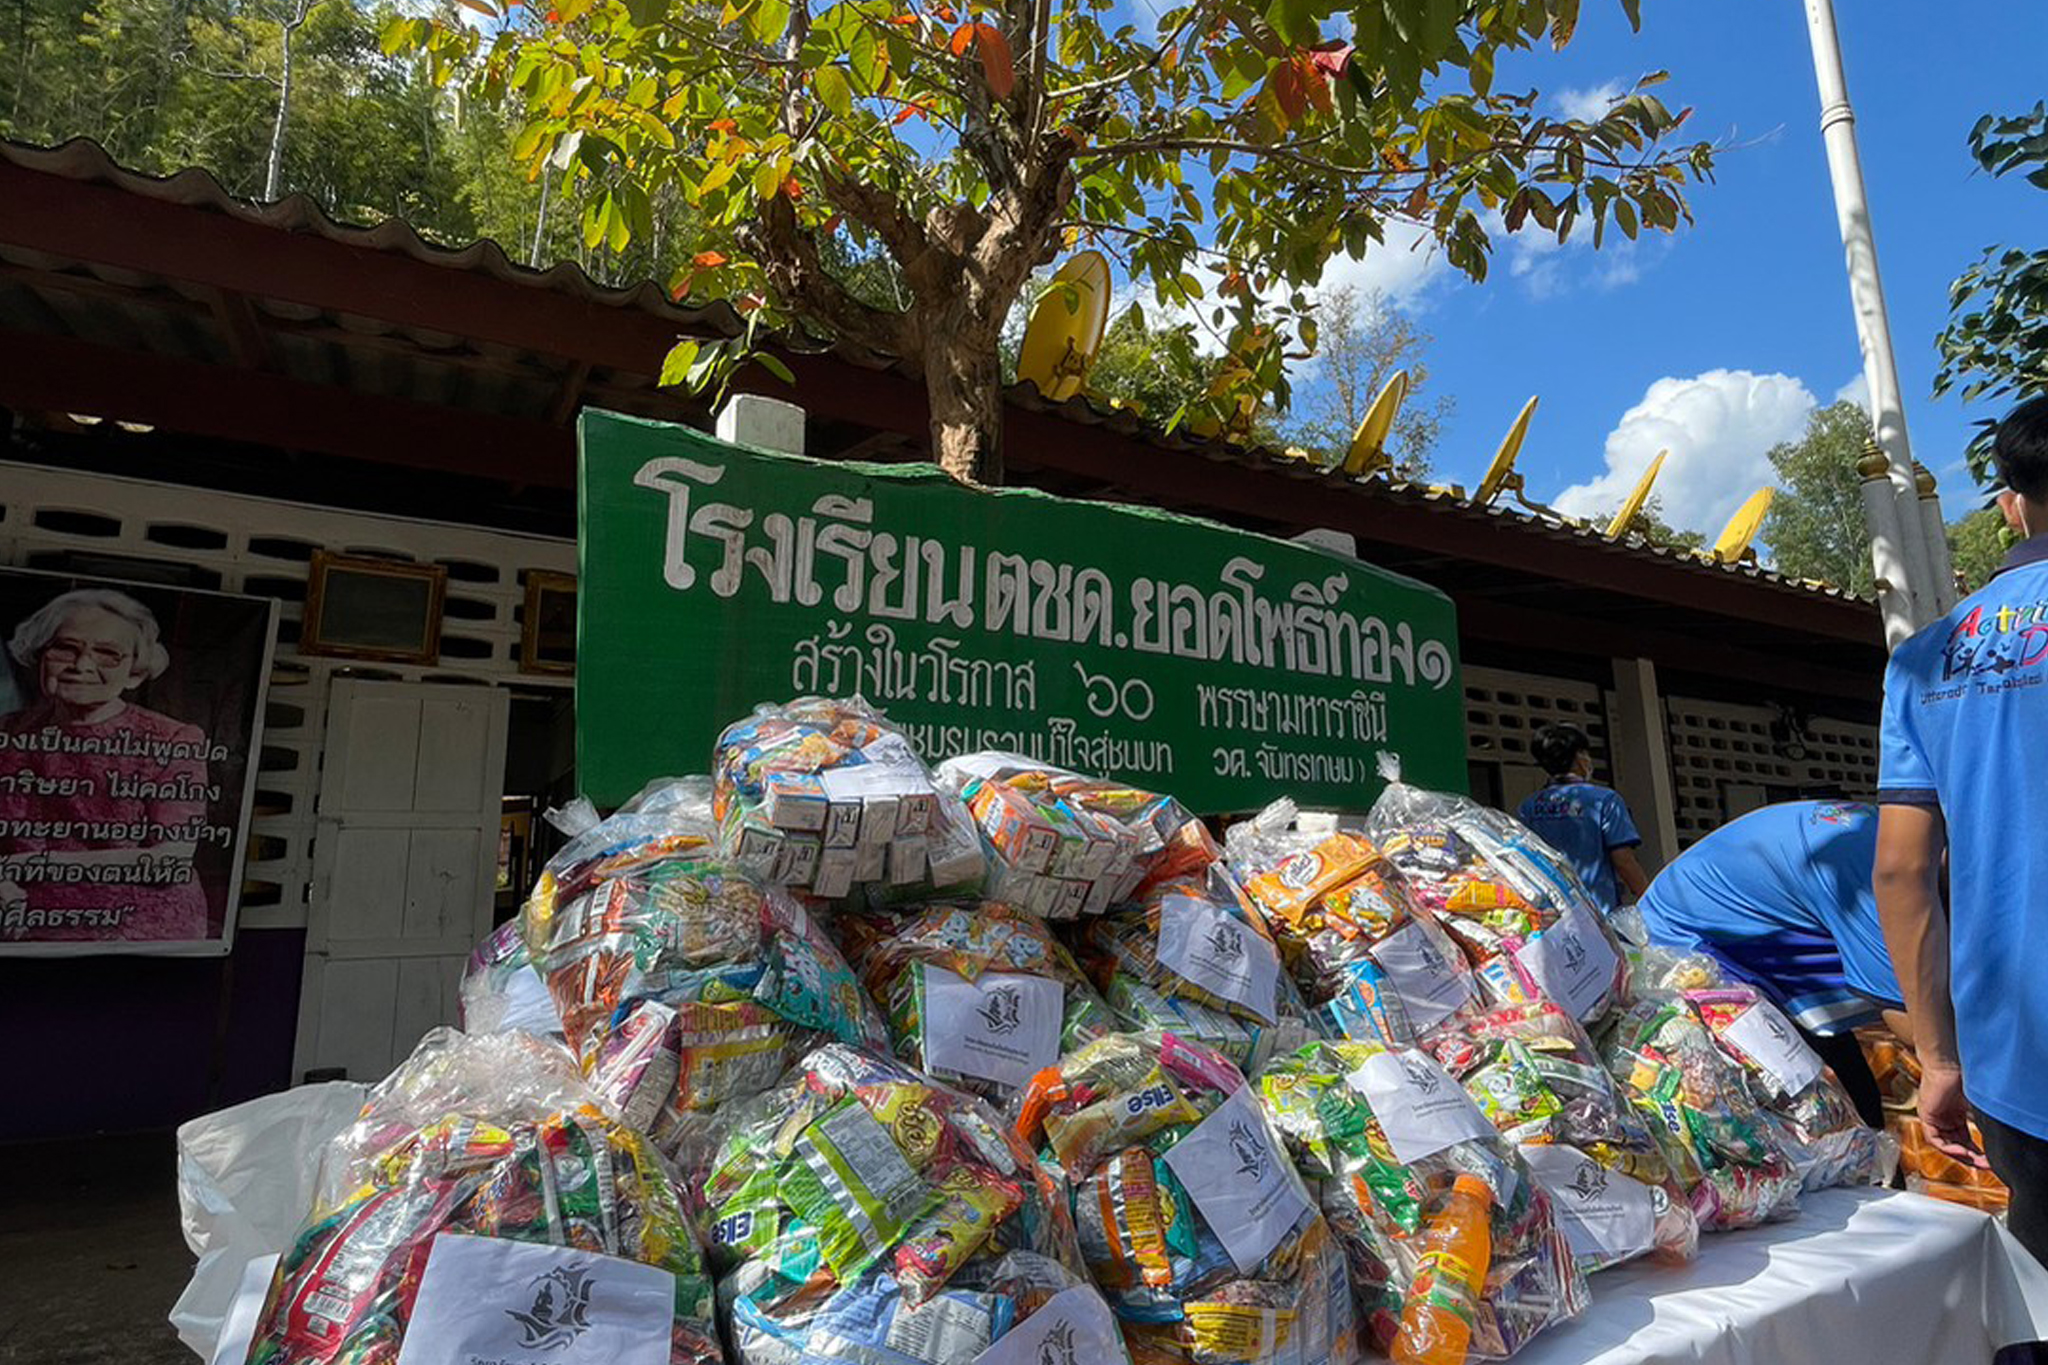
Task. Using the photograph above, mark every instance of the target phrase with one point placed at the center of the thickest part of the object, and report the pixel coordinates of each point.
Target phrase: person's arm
(1629, 871)
(1907, 879)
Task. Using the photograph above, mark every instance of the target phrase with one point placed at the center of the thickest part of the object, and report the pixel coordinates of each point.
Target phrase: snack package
(1064, 845)
(1533, 1071)
(684, 981)
(501, 990)
(830, 797)
(1727, 1155)
(863, 1213)
(1521, 913)
(978, 994)
(1195, 959)
(483, 1168)
(1383, 1136)
(1815, 1118)
(1375, 967)
(1191, 1218)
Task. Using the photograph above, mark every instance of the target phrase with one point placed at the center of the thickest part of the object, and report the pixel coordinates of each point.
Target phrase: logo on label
(1776, 1028)
(1590, 1182)
(1432, 961)
(1297, 872)
(1002, 1009)
(1226, 940)
(1571, 948)
(1249, 1147)
(1057, 1346)
(560, 1312)
(1421, 1075)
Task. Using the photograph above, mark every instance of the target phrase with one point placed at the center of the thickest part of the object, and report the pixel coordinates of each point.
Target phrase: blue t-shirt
(1783, 898)
(1585, 822)
(1965, 722)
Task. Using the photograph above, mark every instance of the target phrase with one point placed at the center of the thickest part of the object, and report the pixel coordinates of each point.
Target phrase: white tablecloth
(1862, 1276)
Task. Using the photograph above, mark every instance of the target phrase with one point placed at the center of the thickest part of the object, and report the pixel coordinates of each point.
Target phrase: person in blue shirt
(1961, 772)
(1782, 899)
(1586, 822)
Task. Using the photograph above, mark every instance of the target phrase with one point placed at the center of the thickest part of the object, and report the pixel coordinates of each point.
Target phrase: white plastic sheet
(1859, 1275)
(245, 1179)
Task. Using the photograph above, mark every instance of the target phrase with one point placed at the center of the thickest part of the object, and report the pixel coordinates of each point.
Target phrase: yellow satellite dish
(1618, 528)
(1066, 328)
(1368, 447)
(1742, 527)
(1501, 473)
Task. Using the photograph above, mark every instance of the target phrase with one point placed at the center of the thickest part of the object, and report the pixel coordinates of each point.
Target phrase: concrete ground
(92, 1255)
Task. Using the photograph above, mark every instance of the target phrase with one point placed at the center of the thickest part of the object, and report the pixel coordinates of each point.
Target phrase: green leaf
(775, 367)
(834, 90)
(646, 13)
(676, 365)
(766, 22)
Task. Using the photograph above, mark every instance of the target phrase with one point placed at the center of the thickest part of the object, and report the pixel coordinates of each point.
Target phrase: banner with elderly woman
(129, 722)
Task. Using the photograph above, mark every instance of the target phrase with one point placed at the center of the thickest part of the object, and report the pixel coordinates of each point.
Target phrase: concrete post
(1881, 512)
(1641, 752)
(1934, 534)
(748, 419)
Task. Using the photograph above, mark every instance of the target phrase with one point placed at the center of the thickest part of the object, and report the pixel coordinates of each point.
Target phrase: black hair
(1557, 747)
(2020, 449)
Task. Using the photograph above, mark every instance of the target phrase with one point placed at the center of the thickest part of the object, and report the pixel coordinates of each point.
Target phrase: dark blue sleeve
(1617, 826)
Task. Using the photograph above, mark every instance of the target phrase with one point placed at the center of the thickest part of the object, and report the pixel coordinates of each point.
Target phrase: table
(1865, 1276)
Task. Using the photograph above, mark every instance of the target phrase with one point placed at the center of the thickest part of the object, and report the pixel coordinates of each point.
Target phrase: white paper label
(1418, 1104)
(1003, 1026)
(1603, 1214)
(1241, 1181)
(1571, 962)
(1074, 1327)
(238, 1328)
(486, 1301)
(1768, 1038)
(1209, 947)
(1428, 984)
(528, 1005)
(942, 1329)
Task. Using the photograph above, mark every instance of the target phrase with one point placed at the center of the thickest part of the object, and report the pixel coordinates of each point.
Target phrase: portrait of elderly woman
(102, 800)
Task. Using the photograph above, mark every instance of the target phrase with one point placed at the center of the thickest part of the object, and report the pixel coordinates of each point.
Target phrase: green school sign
(1177, 654)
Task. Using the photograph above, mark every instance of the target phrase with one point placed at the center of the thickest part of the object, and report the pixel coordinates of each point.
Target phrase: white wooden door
(405, 856)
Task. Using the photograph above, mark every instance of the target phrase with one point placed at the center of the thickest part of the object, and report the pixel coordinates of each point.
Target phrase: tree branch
(789, 257)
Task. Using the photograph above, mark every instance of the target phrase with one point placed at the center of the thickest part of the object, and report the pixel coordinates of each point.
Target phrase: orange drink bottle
(1436, 1321)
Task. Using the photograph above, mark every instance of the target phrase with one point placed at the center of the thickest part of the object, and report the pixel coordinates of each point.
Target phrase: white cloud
(1588, 104)
(1403, 267)
(1718, 427)
(1856, 391)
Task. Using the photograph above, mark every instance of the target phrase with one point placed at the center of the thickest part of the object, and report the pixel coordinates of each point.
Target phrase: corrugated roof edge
(194, 187)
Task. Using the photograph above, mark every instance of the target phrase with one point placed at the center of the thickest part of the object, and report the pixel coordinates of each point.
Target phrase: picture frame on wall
(384, 610)
(547, 626)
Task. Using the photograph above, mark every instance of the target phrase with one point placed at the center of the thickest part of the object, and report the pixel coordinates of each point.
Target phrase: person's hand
(1945, 1114)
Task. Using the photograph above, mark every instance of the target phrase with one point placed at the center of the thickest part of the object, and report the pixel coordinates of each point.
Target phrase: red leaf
(554, 16)
(682, 291)
(832, 224)
(1332, 58)
(962, 36)
(1313, 82)
(997, 68)
(906, 113)
(902, 20)
(723, 125)
(945, 13)
(791, 190)
(1286, 86)
(708, 260)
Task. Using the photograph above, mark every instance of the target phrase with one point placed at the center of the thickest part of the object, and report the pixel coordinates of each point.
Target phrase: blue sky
(1718, 341)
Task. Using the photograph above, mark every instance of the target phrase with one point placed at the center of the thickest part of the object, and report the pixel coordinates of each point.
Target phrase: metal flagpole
(1912, 574)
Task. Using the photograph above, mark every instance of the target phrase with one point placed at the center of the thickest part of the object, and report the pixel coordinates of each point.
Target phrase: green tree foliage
(1649, 523)
(1223, 153)
(1815, 528)
(1157, 369)
(1996, 341)
(1977, 543)
(1361, 340)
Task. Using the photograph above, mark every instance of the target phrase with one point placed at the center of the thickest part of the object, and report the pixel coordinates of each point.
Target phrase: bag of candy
(1195, 958)
(684, 981)
(1454, 1249)
(501, 990)
(1525, 920)
(978, 994)
(1815, 1118)
(1534, 1072)
(482, 1172)
(832, 797)
(863, 1213)
(1374, 967)
(1726, 1154)
(1191, 1217)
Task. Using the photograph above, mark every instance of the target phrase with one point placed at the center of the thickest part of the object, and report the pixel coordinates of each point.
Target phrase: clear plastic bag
(863, 1213)
(1384, 1209)
(1195, 958)
(977, 994)
(1375, 967)
(1524, 919)
(501, 990)
(1063, 844)
(494, 1137)
(830, 797)
(684, 981)
(1536, 1074)
(1191, 1219)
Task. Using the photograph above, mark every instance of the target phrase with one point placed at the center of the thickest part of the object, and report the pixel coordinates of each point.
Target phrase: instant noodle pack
(836, 1058)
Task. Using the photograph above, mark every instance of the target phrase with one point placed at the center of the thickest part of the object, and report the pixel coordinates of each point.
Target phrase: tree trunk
(963, 377)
